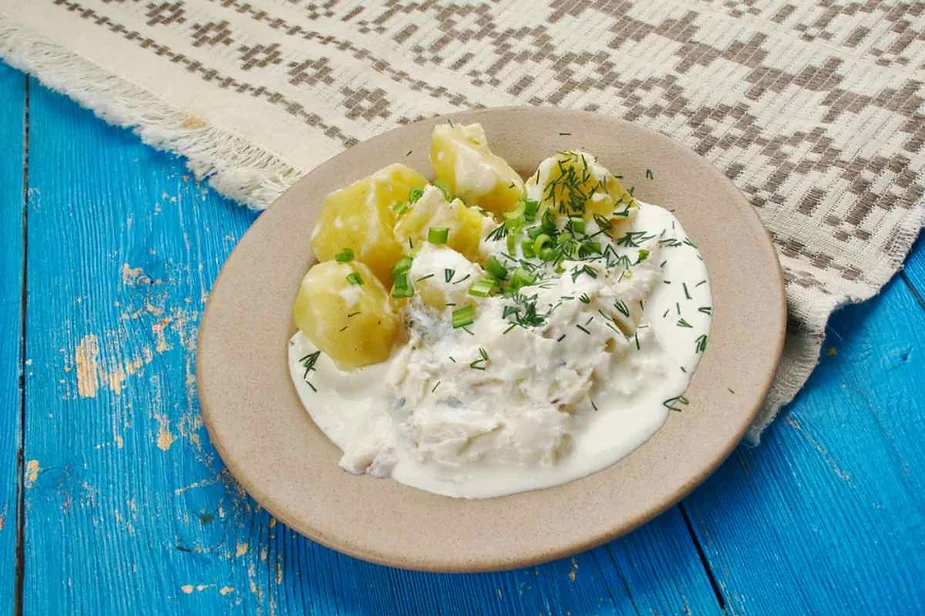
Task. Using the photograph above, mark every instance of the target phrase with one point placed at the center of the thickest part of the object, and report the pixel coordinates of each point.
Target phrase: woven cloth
(816, 112)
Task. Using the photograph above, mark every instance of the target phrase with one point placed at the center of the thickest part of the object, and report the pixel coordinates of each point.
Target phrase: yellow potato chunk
(461, 158)
(433, 211)
(573, 183)
(361, 217)
(345, 311)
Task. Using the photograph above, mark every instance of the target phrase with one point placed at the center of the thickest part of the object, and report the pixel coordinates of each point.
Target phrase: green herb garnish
(622, 308)
(445, 189)
(438, 235)
(672, 404)
(482, 288)
(403, 265)
(463, 316)
(701, 343)
(521, 278)
(401, 288)
(481, 362)
(344, 256)
(495, 269)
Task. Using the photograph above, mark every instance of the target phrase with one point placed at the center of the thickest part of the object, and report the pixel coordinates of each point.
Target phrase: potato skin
(354, 324)
(492, 184)
(361, 217)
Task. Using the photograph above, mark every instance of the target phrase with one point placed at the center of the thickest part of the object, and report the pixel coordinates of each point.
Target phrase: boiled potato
(433, 211)
(345, 311)
(573, 183)
(461, 158)
(361, 217)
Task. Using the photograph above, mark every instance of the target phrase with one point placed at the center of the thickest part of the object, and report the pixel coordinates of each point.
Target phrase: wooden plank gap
(705, 563)
(21, 451)
(915, 292)
(626, 585)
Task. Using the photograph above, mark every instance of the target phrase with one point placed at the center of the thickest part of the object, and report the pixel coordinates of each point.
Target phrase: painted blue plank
(914, 271)
(123, 249)
(828, 512)
(12, 93)
(124, 478)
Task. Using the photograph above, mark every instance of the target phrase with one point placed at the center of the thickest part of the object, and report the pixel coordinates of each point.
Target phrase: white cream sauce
(553, 403)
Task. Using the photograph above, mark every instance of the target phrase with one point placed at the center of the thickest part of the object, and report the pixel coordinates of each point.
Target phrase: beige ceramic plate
(272, 447)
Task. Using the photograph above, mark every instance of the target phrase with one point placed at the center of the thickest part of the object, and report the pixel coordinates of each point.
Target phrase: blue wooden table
(112, 499)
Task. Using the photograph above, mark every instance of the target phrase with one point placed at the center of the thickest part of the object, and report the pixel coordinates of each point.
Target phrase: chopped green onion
(576, 224)
(526, 247)
(438, 235)
(401, 208)
(540, 242)
(482, 288)
(530, 209)
(549, 222)
(534, 232)
(344, 256)
(463, 316)
(513, 224)
(515, 213)
(511, 243)
(445, 188)
(643, 255)
(522, 278)
(548, 254)
(403, 265)
(402, 287)
(495, 269)
(415, 194)
(354, 278)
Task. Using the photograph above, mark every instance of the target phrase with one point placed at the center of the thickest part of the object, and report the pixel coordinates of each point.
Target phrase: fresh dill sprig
(481, 362)
(672, 404)
(622, 308)
(308, 362)
(701, 343)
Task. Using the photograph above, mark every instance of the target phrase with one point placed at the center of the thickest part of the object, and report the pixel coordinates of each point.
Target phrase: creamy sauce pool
(493, 449)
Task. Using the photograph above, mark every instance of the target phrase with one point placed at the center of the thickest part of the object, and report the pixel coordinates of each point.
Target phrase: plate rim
(449, 565)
